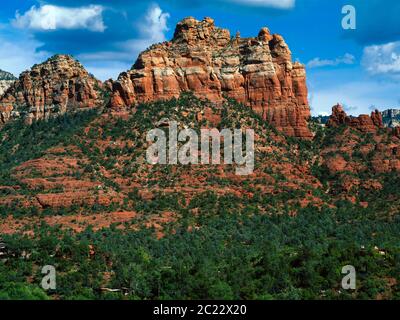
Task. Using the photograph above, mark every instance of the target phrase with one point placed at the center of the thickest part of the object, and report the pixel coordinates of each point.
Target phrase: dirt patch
(77, 223)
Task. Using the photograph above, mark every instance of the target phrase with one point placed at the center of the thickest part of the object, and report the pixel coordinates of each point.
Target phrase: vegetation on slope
(250, 238)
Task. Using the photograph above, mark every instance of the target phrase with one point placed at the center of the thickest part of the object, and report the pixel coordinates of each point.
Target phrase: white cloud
(152, 28)
(50, 17)
(358, 96)
(318, 62)
(349, 108)
(155, 24)
(279, 4)
(382, 59)
(18, 56)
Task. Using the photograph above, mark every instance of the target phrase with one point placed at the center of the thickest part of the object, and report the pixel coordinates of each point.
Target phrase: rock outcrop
(204, 59)
(4, 75)
(361, 145)
(4, 85)
(363, 122)
(6, 80)
(391, 118)
(56, 86)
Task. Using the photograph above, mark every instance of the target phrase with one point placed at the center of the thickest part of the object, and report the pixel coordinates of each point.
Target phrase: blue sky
(359, 68)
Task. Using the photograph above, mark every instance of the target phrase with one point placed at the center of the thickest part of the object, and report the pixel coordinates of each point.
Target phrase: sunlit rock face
(58, 85)
(6, 80)
(204, 59)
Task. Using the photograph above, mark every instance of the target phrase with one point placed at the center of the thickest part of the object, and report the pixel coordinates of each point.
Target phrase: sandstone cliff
(204, 59)
(56, 86)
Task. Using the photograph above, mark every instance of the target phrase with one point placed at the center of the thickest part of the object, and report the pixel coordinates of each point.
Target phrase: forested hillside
(77, 193)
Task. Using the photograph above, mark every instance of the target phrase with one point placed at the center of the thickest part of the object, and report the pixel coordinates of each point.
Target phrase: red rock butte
(364, 123)
(204, 59)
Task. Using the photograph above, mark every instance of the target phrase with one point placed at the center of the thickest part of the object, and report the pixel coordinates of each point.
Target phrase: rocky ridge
(363, 122)
(6, 80)
(360, 144)
(4, 75)
(391, 118)
(56, 86)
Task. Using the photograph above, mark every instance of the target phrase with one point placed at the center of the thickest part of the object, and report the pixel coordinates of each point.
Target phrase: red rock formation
(338, 117)
(363, 122)
(56, 86)
(202, 58)
(379, 155)
(377, 119)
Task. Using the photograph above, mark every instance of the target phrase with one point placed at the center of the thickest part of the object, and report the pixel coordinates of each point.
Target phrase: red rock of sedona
(204, 59)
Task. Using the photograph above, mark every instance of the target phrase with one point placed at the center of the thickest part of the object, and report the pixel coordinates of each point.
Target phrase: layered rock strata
(59, 85)
(204, 59)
